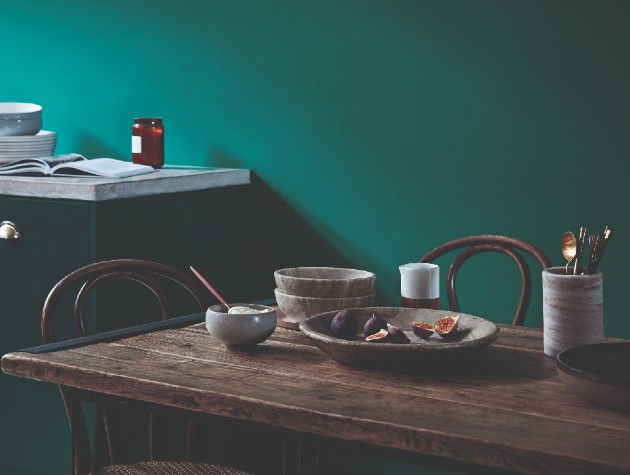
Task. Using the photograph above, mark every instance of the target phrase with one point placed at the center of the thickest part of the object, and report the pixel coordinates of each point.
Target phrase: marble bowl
(421, 355)
(326, 282)
(299, 308)
(20, 118)
(241, 330)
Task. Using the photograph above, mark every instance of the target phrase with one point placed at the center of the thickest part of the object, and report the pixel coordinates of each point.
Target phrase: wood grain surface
(504, 408)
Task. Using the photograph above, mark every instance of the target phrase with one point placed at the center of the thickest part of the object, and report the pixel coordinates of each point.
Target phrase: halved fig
(422, 329)
(396, 335)
(374, 324)
(381, 336)
(446, 327)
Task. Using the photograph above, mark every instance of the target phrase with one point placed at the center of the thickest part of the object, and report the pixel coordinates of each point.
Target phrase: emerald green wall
(388, 127)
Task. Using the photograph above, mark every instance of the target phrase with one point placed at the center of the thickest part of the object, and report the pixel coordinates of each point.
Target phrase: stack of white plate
(27, 146)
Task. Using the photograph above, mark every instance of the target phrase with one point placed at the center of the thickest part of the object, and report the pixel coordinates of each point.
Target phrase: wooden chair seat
(169, 468)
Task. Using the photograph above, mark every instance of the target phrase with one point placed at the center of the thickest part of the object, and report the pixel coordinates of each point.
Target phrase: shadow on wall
(295, 242)
(292, 241)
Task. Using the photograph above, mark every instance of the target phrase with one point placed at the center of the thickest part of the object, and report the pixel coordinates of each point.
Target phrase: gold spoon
(569, 248)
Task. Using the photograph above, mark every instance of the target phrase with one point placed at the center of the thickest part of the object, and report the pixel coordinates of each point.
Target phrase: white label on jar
(136, 144)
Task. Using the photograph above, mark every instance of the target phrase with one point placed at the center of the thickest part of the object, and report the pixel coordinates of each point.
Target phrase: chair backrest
(489, 243)
(144, 272)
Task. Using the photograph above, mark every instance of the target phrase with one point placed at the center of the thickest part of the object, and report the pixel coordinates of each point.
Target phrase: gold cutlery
(579, 249)
(569, 248)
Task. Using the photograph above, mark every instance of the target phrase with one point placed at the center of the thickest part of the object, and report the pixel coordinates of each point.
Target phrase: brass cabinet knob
(8, 230)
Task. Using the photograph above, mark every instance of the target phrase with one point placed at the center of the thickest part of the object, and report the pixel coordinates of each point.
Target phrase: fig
(374, 325)
(446, 326)
(344, 325)
(396, 335)
(381, 336)
(422, 329)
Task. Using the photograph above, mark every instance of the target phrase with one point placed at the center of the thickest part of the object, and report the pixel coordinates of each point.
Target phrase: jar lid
(148, 120)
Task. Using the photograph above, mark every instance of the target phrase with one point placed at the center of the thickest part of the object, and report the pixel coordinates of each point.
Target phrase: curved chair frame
(139, 271)
(490, 243)
(130, 269)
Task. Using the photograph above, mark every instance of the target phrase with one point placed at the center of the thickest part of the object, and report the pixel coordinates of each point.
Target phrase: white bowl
(299, 308)
(241, 330)
(20, 118)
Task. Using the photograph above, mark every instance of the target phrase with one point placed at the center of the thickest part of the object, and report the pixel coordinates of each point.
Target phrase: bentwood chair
(473, 245)
(150, 275)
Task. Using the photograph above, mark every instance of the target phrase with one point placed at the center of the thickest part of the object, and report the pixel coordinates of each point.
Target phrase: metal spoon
(569, 248)
(578, 255)
(594, 244)
(599, 243)
(605, 237)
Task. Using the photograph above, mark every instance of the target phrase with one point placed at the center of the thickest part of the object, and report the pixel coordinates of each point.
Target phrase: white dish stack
(20, 132)
(27, 146)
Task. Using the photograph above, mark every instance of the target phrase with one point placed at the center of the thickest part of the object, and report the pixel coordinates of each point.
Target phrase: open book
(75, 165)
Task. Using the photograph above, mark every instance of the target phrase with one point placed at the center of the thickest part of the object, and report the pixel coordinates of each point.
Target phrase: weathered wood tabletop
(504, 408)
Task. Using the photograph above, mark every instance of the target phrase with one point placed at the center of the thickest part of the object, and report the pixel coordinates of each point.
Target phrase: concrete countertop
(166, 180)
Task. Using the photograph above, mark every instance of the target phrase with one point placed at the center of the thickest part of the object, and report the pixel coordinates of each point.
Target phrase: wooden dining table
(503, 408)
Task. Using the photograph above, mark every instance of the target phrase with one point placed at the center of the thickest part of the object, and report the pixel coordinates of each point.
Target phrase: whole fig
(396, 335)
(344, 325)
(374, 324)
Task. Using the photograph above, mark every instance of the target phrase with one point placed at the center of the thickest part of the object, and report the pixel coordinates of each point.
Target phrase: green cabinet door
(54, 240)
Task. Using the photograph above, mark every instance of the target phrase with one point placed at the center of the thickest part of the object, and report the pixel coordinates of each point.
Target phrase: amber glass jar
(147, 141)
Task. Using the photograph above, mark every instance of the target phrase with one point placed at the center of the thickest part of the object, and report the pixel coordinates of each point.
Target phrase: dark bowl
(600, 373)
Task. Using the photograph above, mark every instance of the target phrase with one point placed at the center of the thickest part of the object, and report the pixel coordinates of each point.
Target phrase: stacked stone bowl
(302, 292)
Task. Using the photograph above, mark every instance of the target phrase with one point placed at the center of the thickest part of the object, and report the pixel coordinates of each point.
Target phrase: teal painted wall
(388, 127)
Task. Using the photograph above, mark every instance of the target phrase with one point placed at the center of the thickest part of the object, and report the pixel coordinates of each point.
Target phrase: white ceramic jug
(420, 285)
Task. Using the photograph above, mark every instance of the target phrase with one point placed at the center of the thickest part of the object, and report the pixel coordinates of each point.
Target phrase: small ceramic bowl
(241, 330)
(299, 308)
(326, 282)
(20, 118)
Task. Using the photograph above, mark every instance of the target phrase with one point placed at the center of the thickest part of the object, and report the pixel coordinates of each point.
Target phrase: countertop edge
(101, 189)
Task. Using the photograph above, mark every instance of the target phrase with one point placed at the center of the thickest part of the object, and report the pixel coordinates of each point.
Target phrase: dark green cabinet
(54, 240)
(215, 230)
